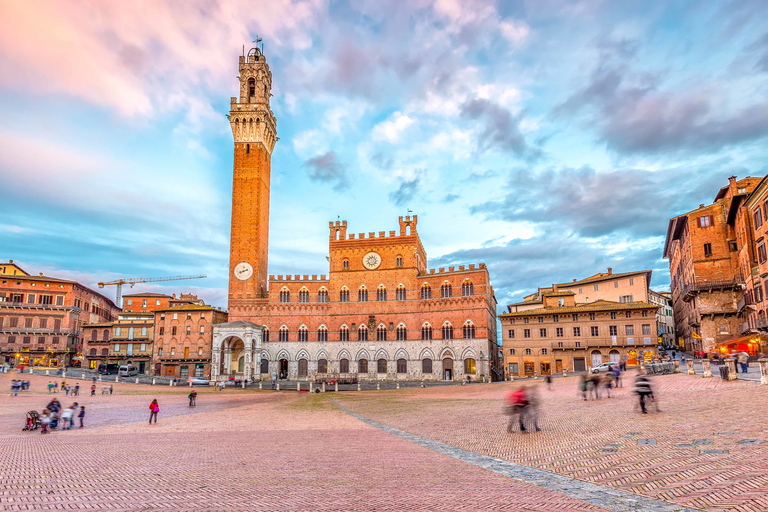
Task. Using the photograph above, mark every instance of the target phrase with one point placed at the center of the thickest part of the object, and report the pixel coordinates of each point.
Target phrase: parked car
(197, 381)
(127, 370)
(603, 367)
(108, 368)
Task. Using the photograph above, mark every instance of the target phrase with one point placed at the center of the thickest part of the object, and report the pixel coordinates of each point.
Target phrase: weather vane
(259, 40)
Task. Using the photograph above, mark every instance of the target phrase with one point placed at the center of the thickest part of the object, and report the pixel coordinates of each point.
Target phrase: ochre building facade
(379, 313)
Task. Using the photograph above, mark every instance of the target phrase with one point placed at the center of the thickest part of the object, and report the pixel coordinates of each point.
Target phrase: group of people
(589, 386)
(18, 385)
(53, 414)
(53, 387)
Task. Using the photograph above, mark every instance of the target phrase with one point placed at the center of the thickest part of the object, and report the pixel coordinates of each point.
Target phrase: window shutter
(698, 222)
(711, 220)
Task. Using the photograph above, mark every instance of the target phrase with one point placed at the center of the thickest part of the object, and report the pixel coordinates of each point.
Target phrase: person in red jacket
(517, 401)
(154, 408)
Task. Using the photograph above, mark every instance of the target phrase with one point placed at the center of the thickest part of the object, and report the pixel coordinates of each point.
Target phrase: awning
(754, 338)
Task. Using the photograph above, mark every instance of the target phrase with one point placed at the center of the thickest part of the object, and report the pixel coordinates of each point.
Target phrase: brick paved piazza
(265, 450)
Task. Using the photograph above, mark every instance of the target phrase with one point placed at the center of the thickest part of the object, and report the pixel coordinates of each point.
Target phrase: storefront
(752, 345)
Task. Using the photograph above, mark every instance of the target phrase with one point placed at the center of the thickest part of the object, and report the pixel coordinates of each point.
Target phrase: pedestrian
(642, 388)
(72, 417)
(94, 379)
(548, 380)
(617, 377)
(744, 362)
(154, 408)
(50, 387)
(192, 398)
(274, 379)
(608, 382)
(76, 391)
(81, 415)
(594, 385)
(110, 389)
(66, 418)
(531, 411)
(583, 385)
(14, 387)
(56, 387)
(93, 389)
(516, 403)
(45, 420)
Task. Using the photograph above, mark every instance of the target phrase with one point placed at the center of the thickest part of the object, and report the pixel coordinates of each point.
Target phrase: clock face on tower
(243, 270)
(371, 261)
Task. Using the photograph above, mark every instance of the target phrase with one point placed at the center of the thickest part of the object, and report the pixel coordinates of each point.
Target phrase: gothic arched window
(381, 333)
(322, 333)
(402, 333)
(344, 295)
(344, 333)
(362, 333)
(303, 295)
(446, 290)
(426, 291)
(426, 332)
(466, 288)
(469, 330)
(362, 294)
(303, 333)
(251, 87)
(381, 293)
(447, 331)
(322, 295)
(285, 295)
(283, 334)
(400, 293)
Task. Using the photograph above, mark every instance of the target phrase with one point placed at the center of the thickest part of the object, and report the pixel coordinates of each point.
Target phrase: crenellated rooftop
(298, 277)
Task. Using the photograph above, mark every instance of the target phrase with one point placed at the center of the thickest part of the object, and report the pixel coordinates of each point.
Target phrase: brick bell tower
(254, 129)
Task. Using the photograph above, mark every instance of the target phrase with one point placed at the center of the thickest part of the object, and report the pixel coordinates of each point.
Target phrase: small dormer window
(251, 87)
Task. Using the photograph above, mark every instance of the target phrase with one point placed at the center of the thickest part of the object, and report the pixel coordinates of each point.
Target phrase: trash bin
(724, 371)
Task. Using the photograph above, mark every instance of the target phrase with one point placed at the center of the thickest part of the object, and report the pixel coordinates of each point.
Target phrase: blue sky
(548, 139)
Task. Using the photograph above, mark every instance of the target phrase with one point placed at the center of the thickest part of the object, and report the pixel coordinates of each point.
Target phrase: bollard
(170, 382)
(565, 372)
(137, 380)
(397, 385)
(323, 386)
(377, 385)
(117, 379)
(731, 364)
(259, 384)
(422, 383)
(30, 371)
(46, 372)
(707, 365)
(677, 366)
(310, 387)
(298, 386)
(153, 381)
(278, 386)
(99, 378)
(358, 385)
(190, 383)
(535, 375)
(336, 386)
(763, 370)
(691, 371)
(63, 374)
(82, 376)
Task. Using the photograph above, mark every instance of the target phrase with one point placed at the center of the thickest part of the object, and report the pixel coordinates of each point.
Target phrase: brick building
(379, 313)
(41, 317)
(146, 302)
(665, 319)
(561, 334)
(183, 337)
(709, 260)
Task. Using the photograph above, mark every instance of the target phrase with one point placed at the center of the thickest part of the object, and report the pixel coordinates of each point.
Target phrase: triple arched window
(344, 295)
(446, 291)
(285, 295)
(400, 293)
(303, 295)
(344, 333)
(322, 333)
(466, 288)
(426, 291)
(362, 333)
(447, 331)
(322, 295)
(303, 333)
(283, 333)
(265, 334)
(362, 294)
(426, 332)
(381, 293)
(381, 333)
(402, 333)
(469, 330)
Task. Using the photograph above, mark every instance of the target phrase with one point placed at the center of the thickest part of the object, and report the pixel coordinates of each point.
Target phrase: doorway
(614, 356)
(283, 368)
(579, 364)
(170, 371)
(597, 358)
(142, 367)
(528, 365)
(448, 368)
(558, 366)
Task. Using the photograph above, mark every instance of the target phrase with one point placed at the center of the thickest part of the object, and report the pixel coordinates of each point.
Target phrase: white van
(127, 371)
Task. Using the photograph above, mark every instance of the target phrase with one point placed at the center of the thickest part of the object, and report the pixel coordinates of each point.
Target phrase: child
(81, 415)
(66, 418)
(45, 420)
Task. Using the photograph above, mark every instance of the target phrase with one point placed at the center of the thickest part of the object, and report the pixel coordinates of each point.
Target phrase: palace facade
(379, 313)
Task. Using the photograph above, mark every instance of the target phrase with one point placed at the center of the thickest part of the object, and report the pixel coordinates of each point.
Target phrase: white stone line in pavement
(606, 497)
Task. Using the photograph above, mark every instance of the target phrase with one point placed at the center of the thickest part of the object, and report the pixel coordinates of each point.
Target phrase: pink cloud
(133, 56)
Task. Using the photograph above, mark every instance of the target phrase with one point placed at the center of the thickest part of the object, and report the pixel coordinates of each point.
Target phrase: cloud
(633, 114)
(326, 168)
(514, 31)
(591, 204)
(391, 129)
(449, 198)
(405, 191)
(498, 128)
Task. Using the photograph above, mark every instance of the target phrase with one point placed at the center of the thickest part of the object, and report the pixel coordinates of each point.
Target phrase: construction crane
(134, 280)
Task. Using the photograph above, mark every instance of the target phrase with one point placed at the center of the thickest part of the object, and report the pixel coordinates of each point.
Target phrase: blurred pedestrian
(15, 385)
(81, 415)
(594, 385)
(516, 404)
(617, 377)
(66, 418)
(583, 386)
(93, 389)
(154, 408)
(45, 421)
(110, 389)
(192, 398)
(50, 387)
(531, 411)
(76, 391)
(274, 379)
(642, 388)
(548, 381)
(608, 381)
(744, 362)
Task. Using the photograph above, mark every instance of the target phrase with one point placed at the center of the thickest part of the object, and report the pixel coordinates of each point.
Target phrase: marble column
(691, 371)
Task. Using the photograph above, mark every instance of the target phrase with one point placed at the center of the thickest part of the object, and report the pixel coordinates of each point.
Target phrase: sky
(547, 139)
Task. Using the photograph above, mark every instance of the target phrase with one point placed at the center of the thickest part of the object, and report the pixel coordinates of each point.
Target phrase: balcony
(762, 323)
(38, 330)
(123, 354)
(745, 328)
(623, 341)
(694, 319)
(32, 305)
(746, 300)
(700, 285)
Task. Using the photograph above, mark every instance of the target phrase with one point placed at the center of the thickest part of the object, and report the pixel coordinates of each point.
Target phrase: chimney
(173, 295)
(574, 280)
(11, 261)
(610, 271)
(732, 179)
(701, 206)
(41, 274)
(554, 288)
